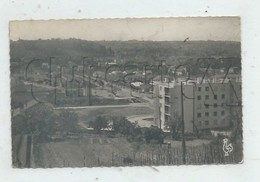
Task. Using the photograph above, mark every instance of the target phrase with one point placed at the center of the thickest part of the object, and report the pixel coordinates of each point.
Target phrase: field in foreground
(95, 150)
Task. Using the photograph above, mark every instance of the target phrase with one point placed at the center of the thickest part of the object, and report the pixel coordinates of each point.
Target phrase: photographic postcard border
(249, 36)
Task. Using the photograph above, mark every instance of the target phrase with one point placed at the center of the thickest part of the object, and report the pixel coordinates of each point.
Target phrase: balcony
(167, 91)
(167, 110)
(167, 101)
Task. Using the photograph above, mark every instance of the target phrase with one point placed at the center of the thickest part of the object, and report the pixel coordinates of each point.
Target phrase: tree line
(123, 127)
(41, 122)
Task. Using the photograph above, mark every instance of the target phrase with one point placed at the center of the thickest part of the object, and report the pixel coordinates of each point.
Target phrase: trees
(68, 120)
(19, 124)
(175, 126)
(134, 133)
(122, 125)
(153, 134)
(99, 123)
(39, 121)
(46, 127)
(36, 115)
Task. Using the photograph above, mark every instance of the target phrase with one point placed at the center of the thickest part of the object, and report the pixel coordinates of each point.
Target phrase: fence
(155, 156)
(205, 154)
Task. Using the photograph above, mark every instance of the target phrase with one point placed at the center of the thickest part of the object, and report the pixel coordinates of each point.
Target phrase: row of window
(215, 88)
(215, 97)
(215, 113)
(215, 105)
(206, 123)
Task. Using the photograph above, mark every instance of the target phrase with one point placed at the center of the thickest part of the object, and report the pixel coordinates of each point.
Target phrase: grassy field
(99, 150)
(88, 151)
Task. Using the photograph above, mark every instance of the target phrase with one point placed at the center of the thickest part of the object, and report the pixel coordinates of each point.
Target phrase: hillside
(123, 49)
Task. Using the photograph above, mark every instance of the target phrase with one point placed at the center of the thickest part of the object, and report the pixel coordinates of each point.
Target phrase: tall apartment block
(206, 104)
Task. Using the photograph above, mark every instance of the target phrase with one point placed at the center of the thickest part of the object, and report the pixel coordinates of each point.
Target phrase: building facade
(205, 105)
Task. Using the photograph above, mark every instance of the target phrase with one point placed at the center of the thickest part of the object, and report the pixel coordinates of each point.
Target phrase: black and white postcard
(126, 92)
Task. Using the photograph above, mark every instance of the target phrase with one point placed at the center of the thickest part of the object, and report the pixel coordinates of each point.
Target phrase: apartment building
(207, 104)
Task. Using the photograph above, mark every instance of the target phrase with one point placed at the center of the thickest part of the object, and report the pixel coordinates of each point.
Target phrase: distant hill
(123, 49)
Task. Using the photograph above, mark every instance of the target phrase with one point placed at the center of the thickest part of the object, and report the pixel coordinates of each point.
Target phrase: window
(206, 106)
(215, 97)
(206, 113)
(199, 106)
(166, 117)
(207, 88)
(198, 115)
(207, 97)
(215, 105)
(167, 91)
(222, 113)
(199, 97)
(199, 123)
(167, 109)
(215, 122)
(223, 96)
(167, 100)
(222, 104)
(199, 89)
(215, 113)
(206, 123)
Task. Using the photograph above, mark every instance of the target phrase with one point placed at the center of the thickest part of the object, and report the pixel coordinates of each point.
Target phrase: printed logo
(227, 148)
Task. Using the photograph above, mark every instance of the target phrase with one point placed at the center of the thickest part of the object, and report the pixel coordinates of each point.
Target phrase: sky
(153, 29)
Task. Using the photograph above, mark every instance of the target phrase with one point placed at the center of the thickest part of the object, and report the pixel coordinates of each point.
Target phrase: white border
(78, 9)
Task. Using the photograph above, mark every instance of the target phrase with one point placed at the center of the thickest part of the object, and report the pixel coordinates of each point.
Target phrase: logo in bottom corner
(227, 148)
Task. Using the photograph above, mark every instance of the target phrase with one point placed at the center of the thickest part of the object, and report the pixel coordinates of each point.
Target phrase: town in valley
(81, 103)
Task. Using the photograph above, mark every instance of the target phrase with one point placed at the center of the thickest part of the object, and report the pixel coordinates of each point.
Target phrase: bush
(99, 123)
(154, 133)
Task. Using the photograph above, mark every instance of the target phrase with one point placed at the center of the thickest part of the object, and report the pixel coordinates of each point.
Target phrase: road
(105, 106)
(141, 120)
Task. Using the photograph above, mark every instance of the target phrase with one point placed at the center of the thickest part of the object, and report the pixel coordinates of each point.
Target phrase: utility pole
(55, 90)
(89, 86)
(50, 71)
(160, 122)
(182, 128)
(89, 89)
